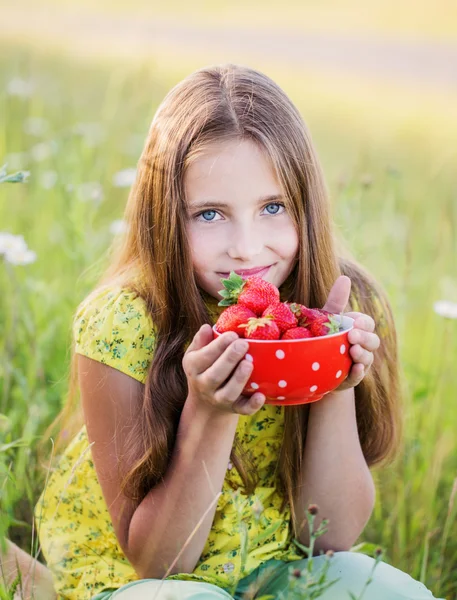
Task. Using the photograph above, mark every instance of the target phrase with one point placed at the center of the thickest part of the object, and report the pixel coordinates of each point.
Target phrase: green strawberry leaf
(226, 302)
(233, 287)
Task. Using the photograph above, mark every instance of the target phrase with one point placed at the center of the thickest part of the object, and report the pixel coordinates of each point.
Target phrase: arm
(335, 475)
(167, 516)
(36, 578)
(153, 532)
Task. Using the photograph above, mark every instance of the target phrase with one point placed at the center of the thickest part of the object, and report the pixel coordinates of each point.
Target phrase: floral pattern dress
(74, 526)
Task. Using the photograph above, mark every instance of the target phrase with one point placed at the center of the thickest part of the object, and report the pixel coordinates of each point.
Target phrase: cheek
(202, 247)
(286, 240)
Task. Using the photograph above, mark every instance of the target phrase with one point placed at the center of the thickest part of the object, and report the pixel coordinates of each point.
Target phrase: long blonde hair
(223, 103)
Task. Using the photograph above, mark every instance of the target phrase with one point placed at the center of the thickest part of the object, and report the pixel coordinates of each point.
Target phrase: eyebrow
(215, 204)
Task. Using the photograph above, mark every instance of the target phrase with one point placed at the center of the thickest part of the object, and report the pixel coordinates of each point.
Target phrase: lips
(260, 271)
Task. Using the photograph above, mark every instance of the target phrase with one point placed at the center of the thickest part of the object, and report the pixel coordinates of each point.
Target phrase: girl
(176, 485)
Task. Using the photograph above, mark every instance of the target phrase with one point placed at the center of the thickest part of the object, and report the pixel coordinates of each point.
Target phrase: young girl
(176, 485)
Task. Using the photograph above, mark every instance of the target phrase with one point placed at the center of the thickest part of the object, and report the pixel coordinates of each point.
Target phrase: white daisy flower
(11, 243)
(43, 150)
(20, 88)
(48, 179)
(92, 191)
(35, 126)
(118, 227)
(445, 308)
(20, 257)
(124, 178)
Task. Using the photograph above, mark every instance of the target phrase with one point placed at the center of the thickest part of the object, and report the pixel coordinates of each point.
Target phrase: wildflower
(118, 227)
(48, 179)
(11, 243)
(91, 191)
(378, 552)
(43, 150)
(124, 178)
(19, 177)
(20, 88)
(35, 126)
(313, 509)
(20, 257)
(445, 308)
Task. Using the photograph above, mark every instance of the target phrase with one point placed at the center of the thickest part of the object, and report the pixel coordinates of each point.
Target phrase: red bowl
(298, 371)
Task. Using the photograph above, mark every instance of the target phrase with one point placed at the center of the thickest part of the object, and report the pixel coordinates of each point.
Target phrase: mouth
(244, 273)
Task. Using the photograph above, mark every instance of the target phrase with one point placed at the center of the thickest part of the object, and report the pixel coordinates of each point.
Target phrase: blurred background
(376, 83)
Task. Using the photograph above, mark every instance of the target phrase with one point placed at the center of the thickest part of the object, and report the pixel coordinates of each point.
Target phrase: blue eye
(276, 205)
(201, 216)
(205, 213)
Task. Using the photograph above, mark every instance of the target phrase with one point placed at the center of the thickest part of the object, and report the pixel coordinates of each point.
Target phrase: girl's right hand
(217, 372)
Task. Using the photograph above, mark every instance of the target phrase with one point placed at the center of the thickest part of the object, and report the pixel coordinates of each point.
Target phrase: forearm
(169, 513)
(36, 578)
(335, 475)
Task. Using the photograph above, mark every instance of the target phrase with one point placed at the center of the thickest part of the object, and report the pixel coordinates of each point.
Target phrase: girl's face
(236, 219)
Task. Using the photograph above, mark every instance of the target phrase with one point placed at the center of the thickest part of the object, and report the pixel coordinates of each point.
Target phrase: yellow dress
(74, 525)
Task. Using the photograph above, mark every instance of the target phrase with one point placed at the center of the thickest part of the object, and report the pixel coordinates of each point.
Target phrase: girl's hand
(217, 372)
(363, 338)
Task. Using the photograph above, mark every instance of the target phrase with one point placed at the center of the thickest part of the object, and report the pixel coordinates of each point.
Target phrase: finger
(357, 374)
(338, 297)
(249, 405)
(362, 321)
(201, 338)
(220, 370)
(369, 341)
(231, 391)
(360, 355)
(204, 356)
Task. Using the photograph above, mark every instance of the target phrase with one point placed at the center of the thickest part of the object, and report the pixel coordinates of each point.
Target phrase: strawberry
(323, 325)
(306, 315)
(254, 292)
(232, 317)
(296, 333)
(263, 328)
(283, 316)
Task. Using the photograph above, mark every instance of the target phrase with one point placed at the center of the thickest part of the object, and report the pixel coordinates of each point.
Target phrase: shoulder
(112, 325)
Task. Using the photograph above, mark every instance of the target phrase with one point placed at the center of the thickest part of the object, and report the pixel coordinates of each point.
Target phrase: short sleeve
(113, 327)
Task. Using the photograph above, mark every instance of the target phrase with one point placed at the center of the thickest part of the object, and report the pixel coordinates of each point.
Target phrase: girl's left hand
(363, 339)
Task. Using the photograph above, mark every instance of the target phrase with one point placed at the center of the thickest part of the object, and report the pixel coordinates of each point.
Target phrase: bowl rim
(321, 337)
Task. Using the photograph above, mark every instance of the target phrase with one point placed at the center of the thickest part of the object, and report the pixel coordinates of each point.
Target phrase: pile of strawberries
(254, 311)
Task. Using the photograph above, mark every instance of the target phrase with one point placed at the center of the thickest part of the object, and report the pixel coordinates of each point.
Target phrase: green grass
(390, 168)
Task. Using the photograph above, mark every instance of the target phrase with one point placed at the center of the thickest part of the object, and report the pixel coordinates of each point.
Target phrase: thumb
(338, 297)
(202, 338)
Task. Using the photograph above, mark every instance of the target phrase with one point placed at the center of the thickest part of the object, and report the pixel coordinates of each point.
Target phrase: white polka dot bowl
(299, 371)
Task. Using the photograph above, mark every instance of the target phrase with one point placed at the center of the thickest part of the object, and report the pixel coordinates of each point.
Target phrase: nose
(245, 243)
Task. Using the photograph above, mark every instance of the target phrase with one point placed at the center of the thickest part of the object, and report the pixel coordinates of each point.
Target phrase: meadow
(78, 128)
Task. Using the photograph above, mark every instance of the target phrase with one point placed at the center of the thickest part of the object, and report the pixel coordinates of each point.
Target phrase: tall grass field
(78, 129)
